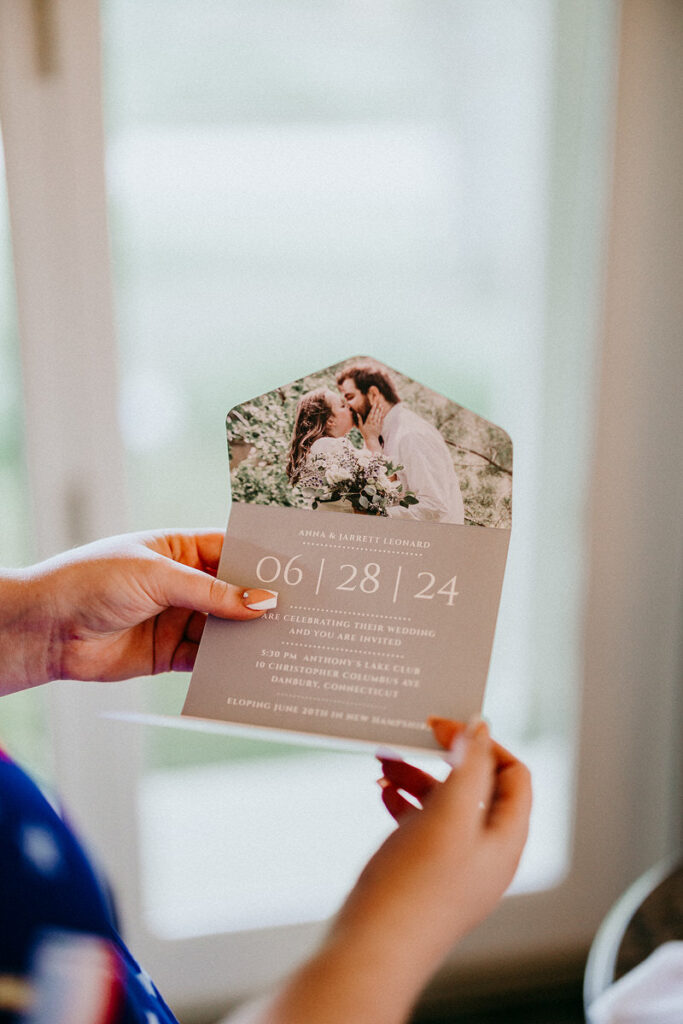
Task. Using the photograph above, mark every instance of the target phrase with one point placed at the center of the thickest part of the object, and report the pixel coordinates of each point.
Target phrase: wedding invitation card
(378, 512)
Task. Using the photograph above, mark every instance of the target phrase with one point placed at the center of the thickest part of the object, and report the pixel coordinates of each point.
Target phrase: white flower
(385, 484)
(364, 456)
(336, 474)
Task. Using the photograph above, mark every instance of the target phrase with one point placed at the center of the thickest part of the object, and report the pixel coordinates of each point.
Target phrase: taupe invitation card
(379, 513)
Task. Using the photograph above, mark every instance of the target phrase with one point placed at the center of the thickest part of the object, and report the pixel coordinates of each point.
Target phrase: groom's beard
(364, 412)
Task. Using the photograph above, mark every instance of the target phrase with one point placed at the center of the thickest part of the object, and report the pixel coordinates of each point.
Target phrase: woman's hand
(126, 606)
(371, 427)
(471, 829)
(442, 871)
(448, 864)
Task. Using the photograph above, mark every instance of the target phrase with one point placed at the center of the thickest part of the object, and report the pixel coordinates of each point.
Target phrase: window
(369, 187)
(289, 184)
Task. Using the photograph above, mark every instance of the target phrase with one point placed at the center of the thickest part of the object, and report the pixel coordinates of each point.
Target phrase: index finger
(209, 546)
(200, 549)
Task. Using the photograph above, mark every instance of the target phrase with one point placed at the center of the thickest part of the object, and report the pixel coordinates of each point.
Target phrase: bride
(321, 427)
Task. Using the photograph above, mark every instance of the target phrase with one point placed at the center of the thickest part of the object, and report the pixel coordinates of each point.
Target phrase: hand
(127, 606)
(479, 818)
(441, 872)
(371, 428)
(449, 863)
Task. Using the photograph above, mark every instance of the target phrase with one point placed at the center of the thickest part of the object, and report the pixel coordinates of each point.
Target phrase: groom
(408, 441)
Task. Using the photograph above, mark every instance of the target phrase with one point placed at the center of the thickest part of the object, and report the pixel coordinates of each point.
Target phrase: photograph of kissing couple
(359, 437)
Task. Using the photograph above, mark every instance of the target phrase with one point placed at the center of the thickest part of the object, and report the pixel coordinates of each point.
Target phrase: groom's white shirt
(428, 472)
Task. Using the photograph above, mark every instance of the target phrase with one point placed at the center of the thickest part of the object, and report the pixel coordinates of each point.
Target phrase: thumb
(181, 586)
(468, 789)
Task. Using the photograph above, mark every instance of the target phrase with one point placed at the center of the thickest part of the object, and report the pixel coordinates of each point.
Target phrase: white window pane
(291, 184)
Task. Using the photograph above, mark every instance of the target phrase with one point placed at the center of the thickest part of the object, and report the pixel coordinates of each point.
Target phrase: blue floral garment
(51, 899)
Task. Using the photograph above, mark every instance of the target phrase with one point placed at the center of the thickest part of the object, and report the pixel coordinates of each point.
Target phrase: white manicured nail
(473, 724)
(458, 751)
(259, 602)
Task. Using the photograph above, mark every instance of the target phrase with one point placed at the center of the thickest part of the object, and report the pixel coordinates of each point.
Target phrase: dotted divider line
(343, 611)
(375, 551)
(334, 700)
(347, 650)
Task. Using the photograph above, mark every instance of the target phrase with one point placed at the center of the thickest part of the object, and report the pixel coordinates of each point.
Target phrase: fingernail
(259, 600)
(473, 725)
(475, 730)
(478, 728)
(443, 729)
(383, 783)
(387, 754)
(457, 752)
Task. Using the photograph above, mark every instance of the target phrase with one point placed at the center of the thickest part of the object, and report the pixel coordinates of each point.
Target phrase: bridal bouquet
(356, 475)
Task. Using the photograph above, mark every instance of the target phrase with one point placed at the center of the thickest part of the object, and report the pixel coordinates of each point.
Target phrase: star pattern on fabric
(56, 902)
(146, 982)
(40, 848)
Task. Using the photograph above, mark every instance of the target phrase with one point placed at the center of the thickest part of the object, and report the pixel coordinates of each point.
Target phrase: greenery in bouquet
(361, 477)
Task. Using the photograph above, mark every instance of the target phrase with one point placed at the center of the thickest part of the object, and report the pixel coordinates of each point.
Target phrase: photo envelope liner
(382, 619)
